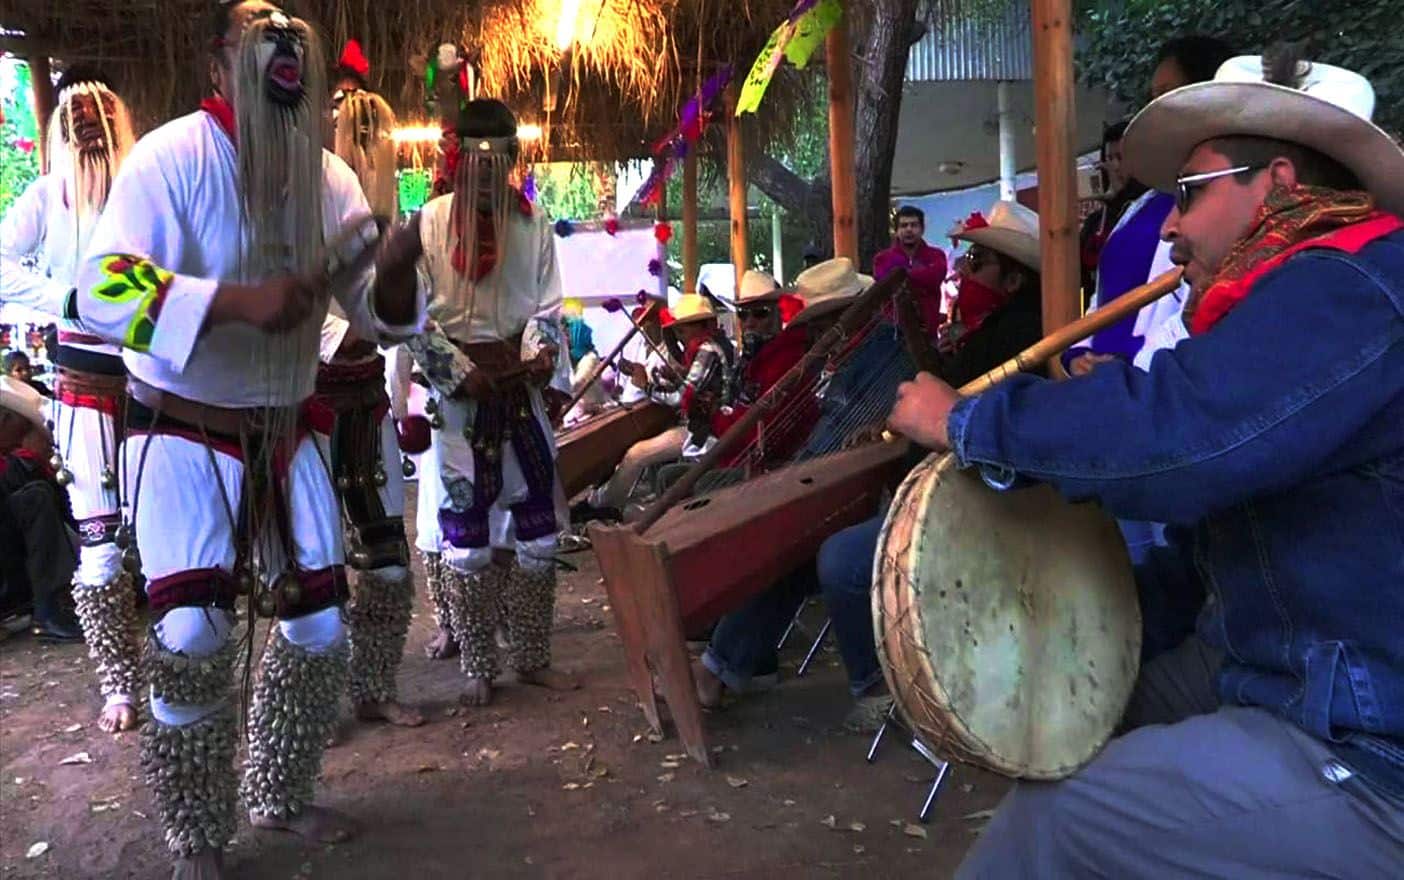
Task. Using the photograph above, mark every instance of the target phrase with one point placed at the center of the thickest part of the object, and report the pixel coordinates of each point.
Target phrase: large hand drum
(1006, 622)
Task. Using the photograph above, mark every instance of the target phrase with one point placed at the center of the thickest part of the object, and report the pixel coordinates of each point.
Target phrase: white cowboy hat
(757, 287)
(692, 307)
(1010, 229)
(828, 286)
(1328, 109)
(18, 397)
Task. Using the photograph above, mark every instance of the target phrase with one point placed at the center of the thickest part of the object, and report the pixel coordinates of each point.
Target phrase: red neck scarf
(487, 240)
(977, 301)
(216, 106)
(1289, 221)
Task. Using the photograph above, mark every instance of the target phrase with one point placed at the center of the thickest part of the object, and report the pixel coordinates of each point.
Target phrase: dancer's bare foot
(442, 647)
(709, 687)
(552, 679)
(207, 864)
(390, 711)
(477, 693)
(117, 717)
(317, 824)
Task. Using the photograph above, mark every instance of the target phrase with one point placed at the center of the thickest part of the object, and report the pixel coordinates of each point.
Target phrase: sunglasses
(977, 258)
(1186, 186)
(760, 313)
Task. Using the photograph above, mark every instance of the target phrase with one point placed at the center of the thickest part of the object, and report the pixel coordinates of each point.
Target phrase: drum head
(1007, 622)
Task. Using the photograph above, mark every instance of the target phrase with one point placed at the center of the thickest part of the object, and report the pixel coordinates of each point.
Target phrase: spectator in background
(925, 265)
(38, 551)
(1189, 59)
(1098, 226)
(18, 367)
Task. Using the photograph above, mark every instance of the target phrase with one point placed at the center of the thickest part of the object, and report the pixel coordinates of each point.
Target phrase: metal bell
(378, 477)
(407, 467)
(131, 562)
(244, 583)
(267, 606)
(122, 537)
(56, 462)
(359, 557)
(431, 406)
(436, 421)
(289, 588)
(109, 478)
(343, 482)
(64, 477)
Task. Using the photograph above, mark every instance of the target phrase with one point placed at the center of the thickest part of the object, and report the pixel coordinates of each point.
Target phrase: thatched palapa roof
(634, 62)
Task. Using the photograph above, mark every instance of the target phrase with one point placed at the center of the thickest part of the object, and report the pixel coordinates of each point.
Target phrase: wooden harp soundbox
(588, 452)
(690, 560)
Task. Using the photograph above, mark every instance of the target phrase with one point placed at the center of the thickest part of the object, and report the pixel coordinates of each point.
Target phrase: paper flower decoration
(25, 145)
(564, 228)
(611, 225)
(529, 186)
(795, 40)
(642, 296)
(663, 232)
(612, 305)
(655, 267)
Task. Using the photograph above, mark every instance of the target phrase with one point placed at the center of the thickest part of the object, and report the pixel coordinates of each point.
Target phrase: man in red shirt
(925, 265)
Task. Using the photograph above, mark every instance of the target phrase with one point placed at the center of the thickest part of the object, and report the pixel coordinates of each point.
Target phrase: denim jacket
(1275, 441)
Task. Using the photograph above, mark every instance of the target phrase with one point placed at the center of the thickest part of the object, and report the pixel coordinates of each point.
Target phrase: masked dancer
(212, 264)
(491, 264)
(350, 414)
(89, 134)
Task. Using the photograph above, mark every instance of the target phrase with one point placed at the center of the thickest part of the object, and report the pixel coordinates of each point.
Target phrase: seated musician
(647, 363)
(1265, 738)
(708, 360)
(583, 359)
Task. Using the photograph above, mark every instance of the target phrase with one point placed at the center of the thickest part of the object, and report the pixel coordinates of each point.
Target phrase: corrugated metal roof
(973, 40)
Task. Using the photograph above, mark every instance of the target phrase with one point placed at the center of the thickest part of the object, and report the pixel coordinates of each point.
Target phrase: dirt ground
(536, 785)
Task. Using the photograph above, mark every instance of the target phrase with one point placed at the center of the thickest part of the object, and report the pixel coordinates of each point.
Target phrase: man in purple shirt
(925, 265)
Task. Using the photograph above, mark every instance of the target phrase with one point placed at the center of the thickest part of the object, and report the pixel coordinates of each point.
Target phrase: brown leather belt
(231, 422)
(86, 384)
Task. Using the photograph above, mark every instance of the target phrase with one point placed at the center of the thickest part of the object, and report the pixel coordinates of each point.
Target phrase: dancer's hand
(477, 385)
(274, 305)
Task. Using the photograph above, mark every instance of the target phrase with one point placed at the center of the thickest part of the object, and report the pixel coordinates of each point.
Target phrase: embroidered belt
(344, 386)
(498, 354)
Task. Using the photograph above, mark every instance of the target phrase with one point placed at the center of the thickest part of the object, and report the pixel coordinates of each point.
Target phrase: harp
(587, 452)
(691, 559)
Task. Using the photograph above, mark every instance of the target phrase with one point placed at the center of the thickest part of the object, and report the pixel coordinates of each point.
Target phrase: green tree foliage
(1120, 39)
(18, 166)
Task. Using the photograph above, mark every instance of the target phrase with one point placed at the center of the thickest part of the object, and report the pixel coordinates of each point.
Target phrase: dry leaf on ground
(737, 782)
(914, 830)
(37, 850)
(78, 758)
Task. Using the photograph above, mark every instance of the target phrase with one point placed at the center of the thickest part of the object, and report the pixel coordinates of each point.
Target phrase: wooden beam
(42, 85)
(736, 185)
(1055, 131)
(689, 220)
(841, 143)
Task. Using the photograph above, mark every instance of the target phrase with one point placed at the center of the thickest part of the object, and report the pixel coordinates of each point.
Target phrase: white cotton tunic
(176, 203)
(39, 250)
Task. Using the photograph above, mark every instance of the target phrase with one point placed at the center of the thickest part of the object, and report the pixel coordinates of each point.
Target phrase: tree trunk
(882, 66)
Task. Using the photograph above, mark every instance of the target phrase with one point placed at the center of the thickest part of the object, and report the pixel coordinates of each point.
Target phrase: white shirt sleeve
(22, 235)
(126, 292)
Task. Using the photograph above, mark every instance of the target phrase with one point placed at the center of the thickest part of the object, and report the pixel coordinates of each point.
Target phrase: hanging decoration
(564, 228)
(529, 186)
(796, 39)
(655, 267)
(611, 226)
(663, 232)
(674, 146)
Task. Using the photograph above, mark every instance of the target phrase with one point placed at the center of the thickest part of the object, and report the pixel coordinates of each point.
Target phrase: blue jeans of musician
(742, 650)
(846, 576)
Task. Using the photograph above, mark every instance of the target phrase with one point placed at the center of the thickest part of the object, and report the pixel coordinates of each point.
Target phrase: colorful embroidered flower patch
(128, 278)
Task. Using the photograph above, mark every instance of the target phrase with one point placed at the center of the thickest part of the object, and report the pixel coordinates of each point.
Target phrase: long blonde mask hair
(87, 176)
(364, 127)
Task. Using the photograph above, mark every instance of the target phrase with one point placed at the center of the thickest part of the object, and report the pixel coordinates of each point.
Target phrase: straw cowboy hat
(828, 286)
(1327, 109)
(692, 307)
(1010, 229)
(757, 287)
(18, 397)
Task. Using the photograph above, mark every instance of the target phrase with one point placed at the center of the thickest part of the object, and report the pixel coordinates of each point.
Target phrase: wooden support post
(1056, 126)
(736, 186)
(689, 220)
(42, 86)
(841, 143)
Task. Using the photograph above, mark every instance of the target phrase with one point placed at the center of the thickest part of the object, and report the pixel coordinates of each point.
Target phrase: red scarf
(977, 301)
(216, 106)
(1289, 221)
(487, 240)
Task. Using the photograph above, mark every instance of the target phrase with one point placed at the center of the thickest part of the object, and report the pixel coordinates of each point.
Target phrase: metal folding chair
(797, 622)
(942, 767)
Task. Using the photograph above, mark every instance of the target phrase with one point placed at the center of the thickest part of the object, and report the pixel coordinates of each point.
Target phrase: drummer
(1272, 742)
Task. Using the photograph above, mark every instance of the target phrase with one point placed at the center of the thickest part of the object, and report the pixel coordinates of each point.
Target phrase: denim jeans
(743, 644)
(846, 576)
